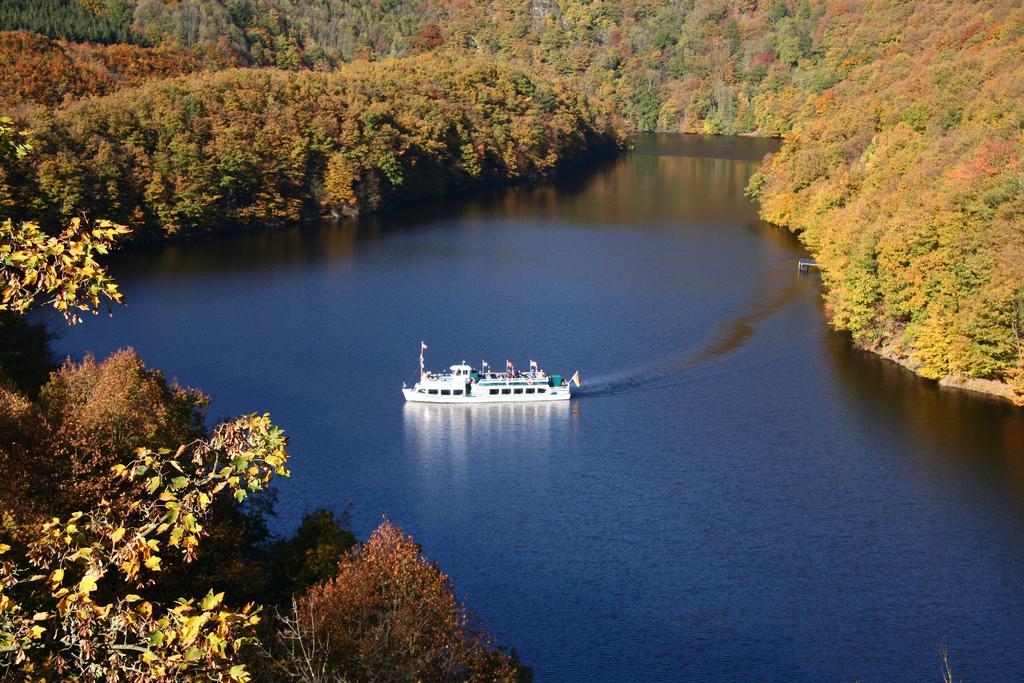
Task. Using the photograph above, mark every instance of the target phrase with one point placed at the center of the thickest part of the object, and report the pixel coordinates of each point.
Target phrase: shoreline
(993, 389)
(148, 237)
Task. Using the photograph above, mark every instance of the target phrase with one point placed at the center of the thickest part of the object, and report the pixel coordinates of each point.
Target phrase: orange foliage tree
(390, 614)
(43, 71)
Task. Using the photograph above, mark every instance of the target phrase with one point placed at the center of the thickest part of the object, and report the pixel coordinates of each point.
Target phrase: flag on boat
(575, 379)
(423, 346)
(483, 364)
(533, 365)
(508, 365)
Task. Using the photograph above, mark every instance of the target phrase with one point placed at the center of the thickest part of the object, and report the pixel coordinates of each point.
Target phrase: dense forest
(906, 180)
(38, 70)
(264, 144)
(901, 169)
(281, 33)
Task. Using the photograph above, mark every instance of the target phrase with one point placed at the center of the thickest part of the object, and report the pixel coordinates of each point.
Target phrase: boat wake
(728, 336)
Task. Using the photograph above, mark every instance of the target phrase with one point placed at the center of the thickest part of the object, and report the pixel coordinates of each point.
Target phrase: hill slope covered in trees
(906, 180)
(901, 125)
(200, 151)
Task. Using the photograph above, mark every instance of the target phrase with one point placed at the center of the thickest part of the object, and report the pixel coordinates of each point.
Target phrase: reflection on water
(981, 434)
(437, 430)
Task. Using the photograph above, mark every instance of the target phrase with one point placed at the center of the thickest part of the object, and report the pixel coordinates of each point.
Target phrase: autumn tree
(389, 614)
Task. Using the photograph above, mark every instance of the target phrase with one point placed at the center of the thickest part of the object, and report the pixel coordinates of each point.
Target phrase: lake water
(736, 494)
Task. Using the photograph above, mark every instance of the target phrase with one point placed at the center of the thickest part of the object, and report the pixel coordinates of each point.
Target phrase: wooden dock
(805, 264)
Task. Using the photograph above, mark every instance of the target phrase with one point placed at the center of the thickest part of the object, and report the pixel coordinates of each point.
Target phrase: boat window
(506, 391)
(446, 392)
(432, 391)
(519, 391)
(457, 392)
(529, 391)
(494, 392)
(541, 390)
(423, 391)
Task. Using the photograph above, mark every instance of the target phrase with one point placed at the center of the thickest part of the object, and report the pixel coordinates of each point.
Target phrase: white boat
(466, 384)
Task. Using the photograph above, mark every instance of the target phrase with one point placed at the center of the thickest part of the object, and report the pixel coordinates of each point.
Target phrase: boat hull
(553, 394)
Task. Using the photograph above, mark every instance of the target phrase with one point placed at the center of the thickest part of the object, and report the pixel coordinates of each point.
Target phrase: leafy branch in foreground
(60, 271)
(55, 270)
(68, 605)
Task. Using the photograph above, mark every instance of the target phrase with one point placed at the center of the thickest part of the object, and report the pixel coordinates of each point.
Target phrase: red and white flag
(508, 365)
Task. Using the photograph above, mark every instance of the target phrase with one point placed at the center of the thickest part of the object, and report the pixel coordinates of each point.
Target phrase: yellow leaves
(88, 583)
(216, 644)
(339, 179)
(36, 632)
(191, 626)
(238, 674)
(59, 272)
(4, 548)
(212, 601)
(126, 539)
(130, 567)
(80, 554)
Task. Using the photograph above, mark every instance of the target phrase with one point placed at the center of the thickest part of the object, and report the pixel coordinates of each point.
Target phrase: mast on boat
(423, 348)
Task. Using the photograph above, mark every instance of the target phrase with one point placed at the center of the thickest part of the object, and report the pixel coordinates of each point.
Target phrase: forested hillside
(702, 66)
(900, 167)
(906, 180)
(201, 151)
(38, 70)
(282, 33)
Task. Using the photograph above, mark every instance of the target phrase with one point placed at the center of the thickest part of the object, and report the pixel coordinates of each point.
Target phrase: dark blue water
(736, 495)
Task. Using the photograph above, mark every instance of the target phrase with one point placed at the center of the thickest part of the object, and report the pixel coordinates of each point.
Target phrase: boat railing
(488, 377)
(505, 377)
